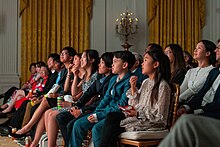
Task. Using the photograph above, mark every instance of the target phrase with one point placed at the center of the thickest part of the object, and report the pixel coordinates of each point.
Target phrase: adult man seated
(193, 131)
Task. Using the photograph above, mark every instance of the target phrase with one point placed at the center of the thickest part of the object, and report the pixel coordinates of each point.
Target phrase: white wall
(211, 31)
(105, 13)
(9, 67)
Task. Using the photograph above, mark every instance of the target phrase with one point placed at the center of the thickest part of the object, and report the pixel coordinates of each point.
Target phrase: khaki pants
(27, 113)
(193, 131)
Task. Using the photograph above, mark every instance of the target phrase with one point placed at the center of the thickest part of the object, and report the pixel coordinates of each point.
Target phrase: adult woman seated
(204, 54)
(177, 63)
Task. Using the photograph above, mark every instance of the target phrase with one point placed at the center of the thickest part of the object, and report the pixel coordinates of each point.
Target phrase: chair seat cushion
(140, 135)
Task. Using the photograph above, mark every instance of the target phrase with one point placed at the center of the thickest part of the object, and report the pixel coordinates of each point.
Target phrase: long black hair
(179, 62)
(93, 54)
(163, 71)
(210, 47)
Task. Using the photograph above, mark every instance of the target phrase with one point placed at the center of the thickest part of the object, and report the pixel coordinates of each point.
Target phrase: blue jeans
(80, 128)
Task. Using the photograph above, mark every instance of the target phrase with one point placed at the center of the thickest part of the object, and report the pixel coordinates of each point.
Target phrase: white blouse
(193, 82)
(151, 116)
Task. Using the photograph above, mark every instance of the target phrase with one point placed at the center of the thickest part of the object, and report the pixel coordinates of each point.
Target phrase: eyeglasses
(218, 47)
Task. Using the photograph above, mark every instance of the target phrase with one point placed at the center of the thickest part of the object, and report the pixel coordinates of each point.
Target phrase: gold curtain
(50, 25)
(176, 21)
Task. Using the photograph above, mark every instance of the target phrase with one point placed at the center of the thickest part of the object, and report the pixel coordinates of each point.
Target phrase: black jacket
(49, 84)
(210, 109)
(96, 92)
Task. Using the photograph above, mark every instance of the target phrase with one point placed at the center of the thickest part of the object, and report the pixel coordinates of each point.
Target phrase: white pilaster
(8, 44)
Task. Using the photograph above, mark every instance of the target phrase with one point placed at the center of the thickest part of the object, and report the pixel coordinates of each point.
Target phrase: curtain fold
(50, 25)
(176, 21)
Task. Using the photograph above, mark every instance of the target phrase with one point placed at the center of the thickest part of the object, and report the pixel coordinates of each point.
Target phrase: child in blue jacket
(115, 95)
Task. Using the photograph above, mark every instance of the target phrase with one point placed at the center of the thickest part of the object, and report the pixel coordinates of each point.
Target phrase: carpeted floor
(7, 142)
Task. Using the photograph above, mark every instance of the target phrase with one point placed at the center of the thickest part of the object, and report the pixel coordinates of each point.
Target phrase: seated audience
(89, 62)
(66, 58)
(207, 101)
(74, 76)
(95, 92)
(115, 95)
(136, 69)
(19, 118)
(10, 93)
(188, 60)
(204, 54)
(35, 101)
(21, 95)
(149, 105)
(177, 63)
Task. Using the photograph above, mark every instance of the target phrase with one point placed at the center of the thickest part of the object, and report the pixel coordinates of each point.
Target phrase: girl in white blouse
(150, 103)
(195, 78)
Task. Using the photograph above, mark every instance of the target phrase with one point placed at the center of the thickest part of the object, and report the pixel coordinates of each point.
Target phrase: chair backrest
(175, 88)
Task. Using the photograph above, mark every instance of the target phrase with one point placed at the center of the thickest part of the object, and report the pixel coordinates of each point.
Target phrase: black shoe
(18, 135)
(4, 131)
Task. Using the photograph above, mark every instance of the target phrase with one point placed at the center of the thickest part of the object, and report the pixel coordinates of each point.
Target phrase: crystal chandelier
(126, 26)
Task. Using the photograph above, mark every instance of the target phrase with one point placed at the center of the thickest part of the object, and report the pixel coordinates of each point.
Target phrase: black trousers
(111, 129)
(65, 121)
(18, 116)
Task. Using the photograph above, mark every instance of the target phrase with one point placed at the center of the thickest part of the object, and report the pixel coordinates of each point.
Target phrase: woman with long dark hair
(177, 62)
(204, 54)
